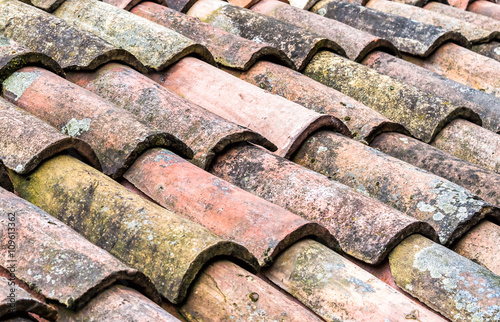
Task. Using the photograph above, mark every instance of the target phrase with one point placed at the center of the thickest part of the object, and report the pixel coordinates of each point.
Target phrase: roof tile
(491, 50)
(126, 4)
(482, 21)
(47, 5)
(485, 8)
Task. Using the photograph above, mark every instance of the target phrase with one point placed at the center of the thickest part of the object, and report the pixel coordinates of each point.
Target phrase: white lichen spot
(405, 140)
(19, 82)
(76, 127)
(322, 149)
(438, 216)
(19, 168)
(425, 207)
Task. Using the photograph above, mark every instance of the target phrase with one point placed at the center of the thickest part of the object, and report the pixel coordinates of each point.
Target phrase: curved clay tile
(417, 3)
(42, 32)
(337, 289)
(482, 182)
(127, 4)
(229, 50)
(14, 56)
(365, 228)
(449, 208)
(284, 123)
(486, 106)
(16, 301)
(474, 32)
(167, 248)
(482, 21)
(116, 136)
(485, 8)
(491, 50)
(155, 46)
(423, 115)
(56, 261)
(407, 35)
(27, 141)
(356, 43)
(363, 122)
(118, 303)
(298, 44)
(452, 285)
(205, 133)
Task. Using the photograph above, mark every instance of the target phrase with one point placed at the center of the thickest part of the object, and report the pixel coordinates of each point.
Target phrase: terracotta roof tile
(229, 50)
(356, 43)
(482, 21)
(70, 47)
(485, 8)
(407, 35)
(155, 46)
(115, 134)
(299, 44)
(491, 50)
(167, 248)
(126, 4)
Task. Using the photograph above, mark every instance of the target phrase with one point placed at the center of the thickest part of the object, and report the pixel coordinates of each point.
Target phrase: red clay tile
(407, 35)
(479, 20)
(423, 115)
(284, 123)
(126, 4)
(169, 249)
(487, 106)
(262, 227)
(356, 43)
(491, 50)
(470, 142)
(482, 182)
(70, 47)
(118, 303)
(14, 301)
(27, 141)
(116, 136)
(338, 290)
(299, 44)
(225, 292)
(480, 245)
(447, 282)
(155, 46)
(474, 32)
(229, 50)
(485, 8)
(460, 4)
(365, 228)
(463, 66)
(56, 261)
(448, 208)
(243, 3)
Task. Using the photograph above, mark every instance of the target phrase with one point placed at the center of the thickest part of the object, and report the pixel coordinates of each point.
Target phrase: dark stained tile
(417, 3)
(116, 136)
(483, 183)
(155, 46)
(127, 4)
(486, 8)
(407, 35)
(365, 228)
(55, 261)
(299, 44)
(72, 48)
(356, 43)
(169, 249)
(491, 50)
(205, 133)
(27, 141)
(180, 5)
(229, 50)
(246, 105)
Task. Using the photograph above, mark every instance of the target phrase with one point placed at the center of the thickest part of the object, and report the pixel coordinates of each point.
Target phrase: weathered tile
(225, 292)
(302, 4)
(166, 247)
(365, 228)
(423, 115)
(491, 49)
(16, 301)
(356, 43)
(474, 32)
(118, 303)
(229, 50)
(447, 282)
(47, 5)
(483, 21)
(262, 227)
(243, 3)
(449, 208)
(417, 3)
(204, 132)
(180, 5)
(127, 4)
(486, 106)
(42, 32)
(486, 8)
(284, 123)
(363, 122)
(27, 141)
(56, 261)
(407, 35)
(338, 290)
(116, 136)
(155, 46)
(297, 43)
(483, 183)
(470, 142)
(481, 246)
